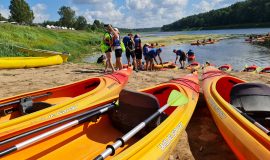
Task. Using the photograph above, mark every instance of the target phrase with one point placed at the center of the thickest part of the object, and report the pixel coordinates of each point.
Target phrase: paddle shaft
(265, 130)
(38, 138)
(121, 141)
(51, 125)
(18, 101)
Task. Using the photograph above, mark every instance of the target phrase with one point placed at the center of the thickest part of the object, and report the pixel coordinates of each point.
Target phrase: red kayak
(252, 69)
(265, 70)
(225, 67)
(191, 58)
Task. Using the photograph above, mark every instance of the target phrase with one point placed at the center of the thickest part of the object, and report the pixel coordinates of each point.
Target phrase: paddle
(175, 99)
(265, 130)
(83, 118)
(18, 101)
(96, 110)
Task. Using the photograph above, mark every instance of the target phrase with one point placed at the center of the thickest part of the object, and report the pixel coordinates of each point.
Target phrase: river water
(235, 51)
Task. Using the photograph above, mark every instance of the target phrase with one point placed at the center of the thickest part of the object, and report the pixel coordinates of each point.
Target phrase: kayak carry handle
(18, 101)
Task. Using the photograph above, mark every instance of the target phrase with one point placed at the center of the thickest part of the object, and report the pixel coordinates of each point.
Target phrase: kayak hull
(30, 62)
(244, 138)
(194, 65)
(225, 67)
(88, 140)
(191, 58)
(265, 70)
(67, 99)
(251, 69)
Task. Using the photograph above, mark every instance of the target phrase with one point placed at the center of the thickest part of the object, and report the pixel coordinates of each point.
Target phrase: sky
(122, 13)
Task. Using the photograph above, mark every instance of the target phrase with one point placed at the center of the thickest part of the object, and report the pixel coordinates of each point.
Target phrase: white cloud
(143, 13)
(4, 11)
(91, 1)
(39, 13)
(107, 13)
(207, 5)
(139, 4)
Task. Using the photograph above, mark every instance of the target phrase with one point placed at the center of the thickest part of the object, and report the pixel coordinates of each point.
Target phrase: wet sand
(201, 140)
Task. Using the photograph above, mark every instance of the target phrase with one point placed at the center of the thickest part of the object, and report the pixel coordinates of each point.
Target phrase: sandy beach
(201, 140)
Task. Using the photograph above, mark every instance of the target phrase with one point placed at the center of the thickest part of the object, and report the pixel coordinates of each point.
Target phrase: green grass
(77, 43)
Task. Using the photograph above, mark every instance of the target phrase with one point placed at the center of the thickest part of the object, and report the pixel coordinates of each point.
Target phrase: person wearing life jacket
(130, 50)
(117, 47)
(182, 59)
(138, 50)
(153, 54)
(147, 58)
(190, 53)
(108, 41)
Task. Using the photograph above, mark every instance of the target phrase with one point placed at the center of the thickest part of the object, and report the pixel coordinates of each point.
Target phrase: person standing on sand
(146, 56)
(138, 51)
(117, 47)
(130, 51)
(107, 40)
(182, 59)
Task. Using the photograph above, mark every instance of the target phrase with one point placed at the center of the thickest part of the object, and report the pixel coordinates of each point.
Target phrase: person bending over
(182, 59)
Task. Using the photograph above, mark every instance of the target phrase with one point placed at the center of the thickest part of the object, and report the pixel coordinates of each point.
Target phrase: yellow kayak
(27, 111)
(88, 139)
(30, 62)
(240, 111)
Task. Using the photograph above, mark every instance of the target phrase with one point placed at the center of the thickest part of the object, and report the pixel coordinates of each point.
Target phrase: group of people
(182, 56)
(132, 45)
(135, 51)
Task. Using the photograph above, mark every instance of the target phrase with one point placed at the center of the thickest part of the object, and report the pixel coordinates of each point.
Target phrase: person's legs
(181, 63)
(109, 61)
(128, 54)
(151, 64)
(118, 55)
(184, 64)
(134, 60)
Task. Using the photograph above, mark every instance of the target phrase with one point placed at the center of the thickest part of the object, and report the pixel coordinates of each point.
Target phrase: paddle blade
(176, 98)
(259, 69)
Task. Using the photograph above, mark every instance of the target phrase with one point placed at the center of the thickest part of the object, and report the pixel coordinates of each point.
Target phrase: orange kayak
(234, 112)
(88, 140)
(27, 111)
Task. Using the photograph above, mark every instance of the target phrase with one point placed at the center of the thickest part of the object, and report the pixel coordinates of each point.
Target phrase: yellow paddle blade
(176, 98)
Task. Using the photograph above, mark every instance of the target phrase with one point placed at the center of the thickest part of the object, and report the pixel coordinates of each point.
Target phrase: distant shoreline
(236, 26)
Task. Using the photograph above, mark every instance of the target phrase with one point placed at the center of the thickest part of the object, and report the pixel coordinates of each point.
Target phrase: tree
(2, 18)
(21, 12)
(67, 16)
(81, 23)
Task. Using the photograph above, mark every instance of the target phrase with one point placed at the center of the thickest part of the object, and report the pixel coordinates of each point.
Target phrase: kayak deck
(89, 139)
(57, 96)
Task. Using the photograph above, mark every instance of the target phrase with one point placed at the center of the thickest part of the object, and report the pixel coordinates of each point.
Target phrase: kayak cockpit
(252, 99)
(29, 103)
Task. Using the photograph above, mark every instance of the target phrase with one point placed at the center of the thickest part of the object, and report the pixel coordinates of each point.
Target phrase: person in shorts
(138, 50)
(182, 59)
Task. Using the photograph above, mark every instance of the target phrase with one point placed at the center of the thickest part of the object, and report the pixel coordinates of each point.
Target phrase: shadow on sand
(205, 140)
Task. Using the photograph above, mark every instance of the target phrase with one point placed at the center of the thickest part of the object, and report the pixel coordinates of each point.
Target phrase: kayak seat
(27, 106)
(253, 99)
(134, 107)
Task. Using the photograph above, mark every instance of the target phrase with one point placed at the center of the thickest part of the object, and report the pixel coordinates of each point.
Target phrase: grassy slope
(78, 43)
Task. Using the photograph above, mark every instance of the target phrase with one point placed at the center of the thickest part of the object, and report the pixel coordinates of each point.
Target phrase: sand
(201, 139)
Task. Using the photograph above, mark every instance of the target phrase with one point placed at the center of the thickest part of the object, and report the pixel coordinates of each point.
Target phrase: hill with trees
(250, 13)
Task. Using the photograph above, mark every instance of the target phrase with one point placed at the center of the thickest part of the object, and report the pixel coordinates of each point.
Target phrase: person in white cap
(117, 47)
